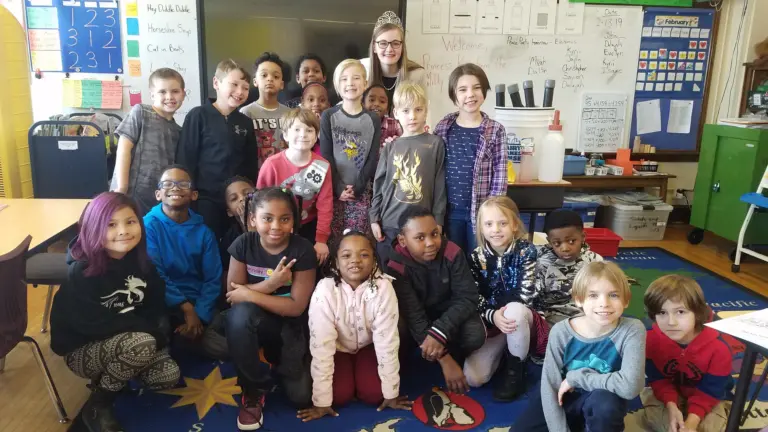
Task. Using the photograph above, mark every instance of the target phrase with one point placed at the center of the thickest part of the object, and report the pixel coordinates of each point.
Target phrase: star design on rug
(205, 393)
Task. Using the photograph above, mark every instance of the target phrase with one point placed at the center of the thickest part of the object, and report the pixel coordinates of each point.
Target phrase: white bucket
(525, 125)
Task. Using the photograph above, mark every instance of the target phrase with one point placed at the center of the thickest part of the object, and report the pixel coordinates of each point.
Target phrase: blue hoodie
(187, 257)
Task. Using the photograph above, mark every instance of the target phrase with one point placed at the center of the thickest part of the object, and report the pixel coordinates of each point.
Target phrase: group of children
(333, 322)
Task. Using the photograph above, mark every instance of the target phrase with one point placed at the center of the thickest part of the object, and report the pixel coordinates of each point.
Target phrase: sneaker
(251, 416)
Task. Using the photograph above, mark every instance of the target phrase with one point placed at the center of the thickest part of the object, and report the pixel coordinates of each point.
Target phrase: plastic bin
(526, 218)
(587, 211)
(603, 241)
(637, 222)
(574, 165)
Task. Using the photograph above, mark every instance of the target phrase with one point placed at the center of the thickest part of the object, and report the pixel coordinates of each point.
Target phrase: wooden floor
(25, 405)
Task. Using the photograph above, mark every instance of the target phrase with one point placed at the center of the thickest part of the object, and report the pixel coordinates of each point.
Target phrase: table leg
(533, 227)
(742, 388)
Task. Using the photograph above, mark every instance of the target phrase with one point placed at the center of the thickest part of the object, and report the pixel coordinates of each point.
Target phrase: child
(306, 174)
(315, 98)
(357, 355)
(106, 318)
(186, 256)
(475, 153)
(690, 396)
(594, 363)
(267, 111)
(349, 140)
(148, 139)
(503, 267)
(375, 100)
(236, 190)
(310, 68)
(217, 142)
(270, 281)
(437, 296)
(411, 169)
(559, 262)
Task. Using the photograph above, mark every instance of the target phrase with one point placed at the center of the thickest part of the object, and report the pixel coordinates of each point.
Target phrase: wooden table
(46, 220)
(621, 182)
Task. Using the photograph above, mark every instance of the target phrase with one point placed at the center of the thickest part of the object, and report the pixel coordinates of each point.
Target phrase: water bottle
(552, 153)
(527, 163)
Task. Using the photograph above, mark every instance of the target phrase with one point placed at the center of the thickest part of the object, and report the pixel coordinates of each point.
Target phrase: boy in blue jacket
(186, 255)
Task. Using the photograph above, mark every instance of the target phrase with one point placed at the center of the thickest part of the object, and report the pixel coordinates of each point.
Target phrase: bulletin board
(673, 63)
(74, 36)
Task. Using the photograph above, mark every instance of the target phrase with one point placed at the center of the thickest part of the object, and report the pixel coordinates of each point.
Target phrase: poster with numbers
(672, 65)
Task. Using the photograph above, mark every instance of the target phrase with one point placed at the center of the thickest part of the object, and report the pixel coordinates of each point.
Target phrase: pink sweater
(312, 182)
(346, 319)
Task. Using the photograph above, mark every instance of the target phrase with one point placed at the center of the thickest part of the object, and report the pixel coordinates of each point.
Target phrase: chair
(13, 317)
(47, 269)
(756, 200)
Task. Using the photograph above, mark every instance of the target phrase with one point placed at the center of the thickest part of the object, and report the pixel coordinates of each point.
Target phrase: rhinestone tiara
(388, 17)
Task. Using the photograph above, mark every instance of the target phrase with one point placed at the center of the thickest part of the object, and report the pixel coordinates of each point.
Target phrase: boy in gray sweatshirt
(595, 363)
(411, 169)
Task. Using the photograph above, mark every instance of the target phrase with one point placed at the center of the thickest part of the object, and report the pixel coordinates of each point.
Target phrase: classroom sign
(74, 36)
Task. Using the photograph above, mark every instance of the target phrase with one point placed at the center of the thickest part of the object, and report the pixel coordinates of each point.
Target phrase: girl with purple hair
(107, 319)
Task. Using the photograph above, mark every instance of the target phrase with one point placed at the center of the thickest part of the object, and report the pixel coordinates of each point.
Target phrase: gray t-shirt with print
(155, 139)
(266, 123)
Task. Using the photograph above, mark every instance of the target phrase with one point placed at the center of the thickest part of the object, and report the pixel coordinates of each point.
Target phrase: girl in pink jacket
(353, 330)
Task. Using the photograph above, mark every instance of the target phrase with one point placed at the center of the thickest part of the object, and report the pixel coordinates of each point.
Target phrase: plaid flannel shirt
(490, 169)
(390, 128)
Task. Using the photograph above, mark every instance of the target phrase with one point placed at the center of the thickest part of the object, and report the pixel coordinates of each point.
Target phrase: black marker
(514, 94)
(528, 90)
(500, 95)
(549, 92)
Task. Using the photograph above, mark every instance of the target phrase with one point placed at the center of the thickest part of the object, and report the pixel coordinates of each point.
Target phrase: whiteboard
(168, 37)
(603, 59)
(602, 121)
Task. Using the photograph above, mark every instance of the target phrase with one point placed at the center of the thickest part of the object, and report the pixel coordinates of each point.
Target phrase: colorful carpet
(207, 398)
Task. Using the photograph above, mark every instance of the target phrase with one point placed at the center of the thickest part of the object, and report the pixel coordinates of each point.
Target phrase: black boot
(511, 382)
(97, 412)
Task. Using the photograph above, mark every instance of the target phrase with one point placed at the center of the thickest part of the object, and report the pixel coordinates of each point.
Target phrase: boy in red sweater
(307, 174)
(688, 365)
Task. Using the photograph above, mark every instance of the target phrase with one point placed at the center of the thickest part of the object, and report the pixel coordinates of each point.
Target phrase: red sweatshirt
(699, 372)
(312, 182)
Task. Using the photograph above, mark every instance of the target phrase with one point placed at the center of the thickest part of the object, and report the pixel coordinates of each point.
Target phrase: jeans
(595, 411)
(250, 328)
(460, 232)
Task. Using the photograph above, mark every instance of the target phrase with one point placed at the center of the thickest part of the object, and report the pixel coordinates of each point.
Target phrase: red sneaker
(251, 416)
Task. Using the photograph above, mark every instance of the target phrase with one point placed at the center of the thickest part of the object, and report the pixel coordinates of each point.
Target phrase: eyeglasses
(169, 184)
(396, 44)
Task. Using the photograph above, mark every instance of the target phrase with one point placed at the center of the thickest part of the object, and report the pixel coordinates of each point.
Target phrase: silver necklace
(389, 88)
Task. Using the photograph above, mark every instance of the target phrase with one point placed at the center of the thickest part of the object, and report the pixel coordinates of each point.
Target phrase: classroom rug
(207, 397)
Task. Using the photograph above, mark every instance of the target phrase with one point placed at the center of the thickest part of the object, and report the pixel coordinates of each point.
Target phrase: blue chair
(756, 200)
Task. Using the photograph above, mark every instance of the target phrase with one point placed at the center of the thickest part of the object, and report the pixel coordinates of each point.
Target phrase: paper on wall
(680, 114)
(570, 18)
(435, 16)
(543, 16)
(648, 115)
(517, 14)
(463, 15)
(490, 14)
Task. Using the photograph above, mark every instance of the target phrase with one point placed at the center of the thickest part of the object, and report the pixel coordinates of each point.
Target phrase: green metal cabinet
(732, 162)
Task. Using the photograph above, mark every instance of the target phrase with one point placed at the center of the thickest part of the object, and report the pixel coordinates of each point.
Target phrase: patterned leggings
(113, 362)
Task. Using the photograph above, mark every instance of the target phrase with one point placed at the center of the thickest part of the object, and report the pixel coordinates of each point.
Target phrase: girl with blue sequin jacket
(504, 267)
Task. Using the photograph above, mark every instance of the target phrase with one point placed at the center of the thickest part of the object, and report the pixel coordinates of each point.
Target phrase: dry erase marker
(528, 91)
(549, 92)
(500, 95)
(514, 94)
